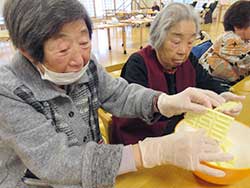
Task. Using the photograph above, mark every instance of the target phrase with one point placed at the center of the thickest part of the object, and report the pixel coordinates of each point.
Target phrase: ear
(35, 63)
(240, 32)
(236, 29)
(28, 56)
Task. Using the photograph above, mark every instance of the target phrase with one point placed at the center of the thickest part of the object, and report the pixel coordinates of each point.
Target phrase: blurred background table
(108, 26)
(4, 35)
(141, 23)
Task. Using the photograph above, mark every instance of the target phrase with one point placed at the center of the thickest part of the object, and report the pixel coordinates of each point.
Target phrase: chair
(104, 125)
(115, 69)
(104, 116)
(202, 47)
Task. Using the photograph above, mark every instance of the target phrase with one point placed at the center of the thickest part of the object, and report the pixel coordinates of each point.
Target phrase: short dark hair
(31, 22)
(238, 15)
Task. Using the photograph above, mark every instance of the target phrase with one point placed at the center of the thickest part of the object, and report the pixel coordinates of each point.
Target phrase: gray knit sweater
(54, 132)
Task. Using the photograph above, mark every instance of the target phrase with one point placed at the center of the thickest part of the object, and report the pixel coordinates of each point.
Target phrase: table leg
(109, 43)
(219, 13)
(141, 25)
(124, 39)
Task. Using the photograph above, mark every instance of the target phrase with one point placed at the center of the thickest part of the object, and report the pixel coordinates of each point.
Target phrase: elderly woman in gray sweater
(49, 96)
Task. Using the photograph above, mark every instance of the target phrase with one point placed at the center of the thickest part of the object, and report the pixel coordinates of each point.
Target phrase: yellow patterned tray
(214, 122)
(216, 125)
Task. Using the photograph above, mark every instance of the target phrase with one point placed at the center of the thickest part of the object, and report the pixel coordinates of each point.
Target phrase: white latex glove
(185, 149)
(191, 99)
(228, 96)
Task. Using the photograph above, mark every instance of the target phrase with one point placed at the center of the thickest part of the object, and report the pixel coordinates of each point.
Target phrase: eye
(64, 50)
(84, 44)
(176, 42)
(192, 41)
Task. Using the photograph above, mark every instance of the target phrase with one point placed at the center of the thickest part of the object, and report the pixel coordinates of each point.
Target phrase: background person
(229, 57)
(155, 7)
(166, 65)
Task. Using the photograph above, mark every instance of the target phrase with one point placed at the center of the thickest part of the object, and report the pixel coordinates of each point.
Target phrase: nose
(183, 48)
(77, 56)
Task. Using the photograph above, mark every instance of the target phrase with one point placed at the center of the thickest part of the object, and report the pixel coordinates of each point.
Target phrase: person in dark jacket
(167, 65)
(155, 7)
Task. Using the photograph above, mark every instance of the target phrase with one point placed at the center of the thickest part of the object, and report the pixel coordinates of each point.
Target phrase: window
(124, 5)
(104, 7)
(109, 4)
(89, 5)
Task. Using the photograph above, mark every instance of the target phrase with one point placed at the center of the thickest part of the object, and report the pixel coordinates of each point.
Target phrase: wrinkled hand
(191, 99)
(228, 96)
(184, 149)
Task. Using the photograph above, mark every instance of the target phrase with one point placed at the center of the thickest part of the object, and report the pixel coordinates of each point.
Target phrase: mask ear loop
(39, 66)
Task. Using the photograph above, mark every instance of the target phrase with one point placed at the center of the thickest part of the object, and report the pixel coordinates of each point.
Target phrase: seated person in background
(193, 4)
(155, 7)
(49, 96)
(207, 12)
(229, 57)
(168, 66)
(162, 5)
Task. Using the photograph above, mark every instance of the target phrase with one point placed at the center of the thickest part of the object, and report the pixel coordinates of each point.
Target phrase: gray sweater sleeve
(125, 100)
(46, 153)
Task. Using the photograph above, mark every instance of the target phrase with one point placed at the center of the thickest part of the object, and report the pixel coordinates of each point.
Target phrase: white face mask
(63, 78)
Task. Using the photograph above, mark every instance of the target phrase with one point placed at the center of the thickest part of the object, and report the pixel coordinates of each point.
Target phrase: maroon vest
(130, 131)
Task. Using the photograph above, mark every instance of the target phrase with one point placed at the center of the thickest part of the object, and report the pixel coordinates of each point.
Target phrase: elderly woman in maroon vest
(167, 65)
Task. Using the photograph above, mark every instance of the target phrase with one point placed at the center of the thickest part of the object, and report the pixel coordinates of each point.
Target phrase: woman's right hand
(184, 149)
(191, 99)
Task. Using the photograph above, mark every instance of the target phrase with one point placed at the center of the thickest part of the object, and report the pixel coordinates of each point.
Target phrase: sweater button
(85, 138)
(46, 104)
(71, 114)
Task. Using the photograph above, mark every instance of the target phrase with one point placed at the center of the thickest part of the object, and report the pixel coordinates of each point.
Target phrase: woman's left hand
(228, 96)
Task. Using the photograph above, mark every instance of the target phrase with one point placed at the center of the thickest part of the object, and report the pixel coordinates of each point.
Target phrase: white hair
(167, 18)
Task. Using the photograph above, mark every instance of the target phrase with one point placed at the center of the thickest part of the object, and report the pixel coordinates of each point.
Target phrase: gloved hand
(228, 96)
(191, 99)
(185, 149)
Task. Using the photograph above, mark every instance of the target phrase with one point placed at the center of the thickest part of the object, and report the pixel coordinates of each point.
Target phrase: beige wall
(1, 7)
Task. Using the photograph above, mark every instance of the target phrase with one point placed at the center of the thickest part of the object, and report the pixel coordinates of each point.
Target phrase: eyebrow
(61, 34)
(180, 34)
(84, 30)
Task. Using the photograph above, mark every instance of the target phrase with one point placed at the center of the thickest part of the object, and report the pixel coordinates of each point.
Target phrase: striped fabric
(85, 98)
(228, 58)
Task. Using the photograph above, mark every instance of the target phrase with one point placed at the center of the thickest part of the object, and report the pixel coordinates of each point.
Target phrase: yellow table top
(243, 88)
(244, 116)
(169, 177)
(172, 177)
